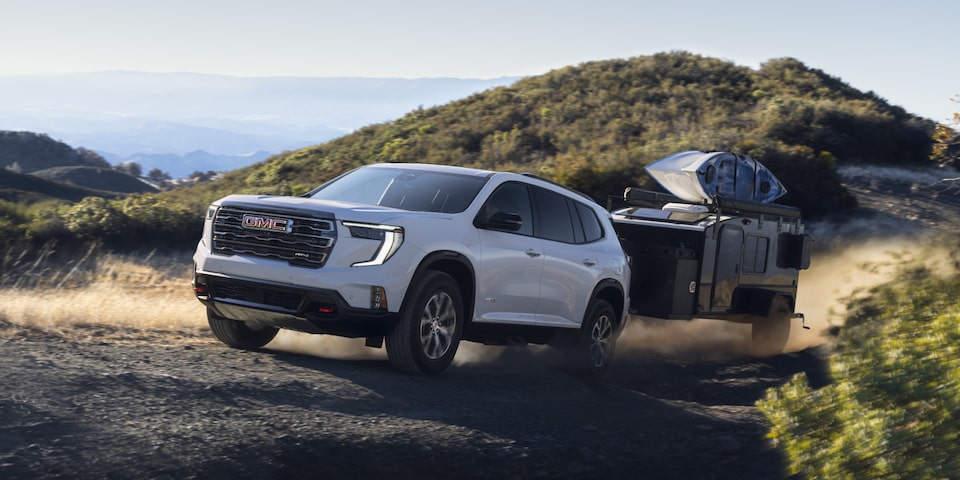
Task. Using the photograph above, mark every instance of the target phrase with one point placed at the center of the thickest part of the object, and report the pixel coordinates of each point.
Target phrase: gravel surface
(201, 410)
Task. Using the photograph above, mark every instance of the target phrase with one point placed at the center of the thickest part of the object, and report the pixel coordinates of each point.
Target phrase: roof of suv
(475, 172)
(430, 167)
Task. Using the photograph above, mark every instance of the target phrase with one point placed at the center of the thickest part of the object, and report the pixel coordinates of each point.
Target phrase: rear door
(727, 274)
(570, 268)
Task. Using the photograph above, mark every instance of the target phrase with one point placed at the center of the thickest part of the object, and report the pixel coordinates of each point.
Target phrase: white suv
(422, 256)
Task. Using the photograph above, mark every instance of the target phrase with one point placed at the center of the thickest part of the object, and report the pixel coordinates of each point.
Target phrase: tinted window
(408, 189)
(513, 198)
(755, 254)
(592, 229)
(553, 216)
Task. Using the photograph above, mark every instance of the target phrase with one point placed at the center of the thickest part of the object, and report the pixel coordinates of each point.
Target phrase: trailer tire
(769, 334)
(239, 334)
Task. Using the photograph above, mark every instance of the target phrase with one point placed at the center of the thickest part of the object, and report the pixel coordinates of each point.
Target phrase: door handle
(532, 253)
(588, 262)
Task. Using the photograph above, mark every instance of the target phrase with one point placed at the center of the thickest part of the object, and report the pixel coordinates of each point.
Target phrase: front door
(508, 278)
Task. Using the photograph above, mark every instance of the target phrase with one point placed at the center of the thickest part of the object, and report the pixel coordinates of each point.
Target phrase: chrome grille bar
(305, 243)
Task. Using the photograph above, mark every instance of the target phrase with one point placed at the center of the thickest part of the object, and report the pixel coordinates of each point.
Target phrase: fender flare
(457, 266)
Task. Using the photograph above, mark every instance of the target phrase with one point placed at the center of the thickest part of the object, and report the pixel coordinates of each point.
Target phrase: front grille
(269, 234)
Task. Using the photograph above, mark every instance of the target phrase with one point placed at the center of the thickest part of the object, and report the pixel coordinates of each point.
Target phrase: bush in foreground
(893, 409)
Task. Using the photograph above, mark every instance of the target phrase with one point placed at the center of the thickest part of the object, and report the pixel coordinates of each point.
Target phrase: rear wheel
(431, 323)
(239, 334)
(593, 349)
(770, 334)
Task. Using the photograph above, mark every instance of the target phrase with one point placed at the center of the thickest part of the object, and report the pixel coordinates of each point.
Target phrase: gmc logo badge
(265, 223)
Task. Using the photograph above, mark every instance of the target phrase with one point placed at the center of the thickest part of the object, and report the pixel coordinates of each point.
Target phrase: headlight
(208, 226)
(389, 236)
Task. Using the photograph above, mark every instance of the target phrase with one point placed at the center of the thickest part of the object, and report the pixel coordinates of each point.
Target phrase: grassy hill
(27, 152)
(34, 167)
(21, 188)
(593, 126)
(97, 178)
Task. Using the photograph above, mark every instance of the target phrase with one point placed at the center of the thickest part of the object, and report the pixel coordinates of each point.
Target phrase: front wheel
(426, 338)
(239, 334)
(592, 352)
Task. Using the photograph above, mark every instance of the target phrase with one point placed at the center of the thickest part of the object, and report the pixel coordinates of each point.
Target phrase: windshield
(407, 189)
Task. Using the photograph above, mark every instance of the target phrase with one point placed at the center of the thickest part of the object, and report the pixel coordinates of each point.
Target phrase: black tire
(593, 349)
(426, 338)
(238, 334)
(769, 335)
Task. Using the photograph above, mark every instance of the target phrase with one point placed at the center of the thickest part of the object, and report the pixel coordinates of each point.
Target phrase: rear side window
(562, 219)
(554, 221)
(592, 230)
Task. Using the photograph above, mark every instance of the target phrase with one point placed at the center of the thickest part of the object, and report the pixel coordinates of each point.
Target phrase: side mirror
(510, 222)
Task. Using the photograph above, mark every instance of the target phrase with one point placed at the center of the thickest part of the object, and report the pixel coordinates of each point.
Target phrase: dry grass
(103, 297)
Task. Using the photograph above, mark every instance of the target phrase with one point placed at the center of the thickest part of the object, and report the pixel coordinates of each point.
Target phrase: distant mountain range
(182, 122)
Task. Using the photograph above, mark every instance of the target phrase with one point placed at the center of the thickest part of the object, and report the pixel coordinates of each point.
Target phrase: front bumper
(293, 308)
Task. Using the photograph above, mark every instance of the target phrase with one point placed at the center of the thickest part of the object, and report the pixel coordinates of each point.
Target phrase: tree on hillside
(130, 168)
(198, 176)
(946, 147)
(159, 176)
(92, 158)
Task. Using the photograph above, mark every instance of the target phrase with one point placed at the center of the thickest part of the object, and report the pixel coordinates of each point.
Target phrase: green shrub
(893, 409)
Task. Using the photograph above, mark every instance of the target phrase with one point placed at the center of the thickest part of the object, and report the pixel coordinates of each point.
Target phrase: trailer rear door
(727, 274)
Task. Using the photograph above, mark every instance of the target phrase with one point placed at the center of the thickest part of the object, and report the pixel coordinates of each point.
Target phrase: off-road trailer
(725, 256)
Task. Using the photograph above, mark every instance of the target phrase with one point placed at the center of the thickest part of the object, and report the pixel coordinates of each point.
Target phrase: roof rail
(551, 182)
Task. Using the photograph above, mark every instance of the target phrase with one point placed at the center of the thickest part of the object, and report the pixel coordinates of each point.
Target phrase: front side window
(407, 189)
(512, 198)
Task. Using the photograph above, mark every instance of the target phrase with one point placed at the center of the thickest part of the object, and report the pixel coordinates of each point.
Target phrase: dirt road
(197, 409)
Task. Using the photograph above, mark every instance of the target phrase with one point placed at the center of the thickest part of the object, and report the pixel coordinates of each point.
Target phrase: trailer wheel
(592, 351)
(770, 334)
(238, 334)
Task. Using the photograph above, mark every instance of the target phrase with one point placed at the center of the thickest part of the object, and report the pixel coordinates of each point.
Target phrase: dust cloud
(325, 346)
(846, 262)
(468, 353)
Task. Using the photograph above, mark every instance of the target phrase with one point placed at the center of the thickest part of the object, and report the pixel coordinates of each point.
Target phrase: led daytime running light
(392, 239)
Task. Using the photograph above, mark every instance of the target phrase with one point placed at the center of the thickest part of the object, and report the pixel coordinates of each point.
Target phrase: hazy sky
(905, 51)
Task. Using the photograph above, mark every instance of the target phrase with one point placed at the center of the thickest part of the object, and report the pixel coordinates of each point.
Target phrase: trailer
(716, 246)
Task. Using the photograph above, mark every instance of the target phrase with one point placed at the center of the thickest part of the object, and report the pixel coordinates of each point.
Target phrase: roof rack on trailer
(646, 198)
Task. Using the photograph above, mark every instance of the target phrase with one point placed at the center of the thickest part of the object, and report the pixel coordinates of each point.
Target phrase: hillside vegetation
(594, 126)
